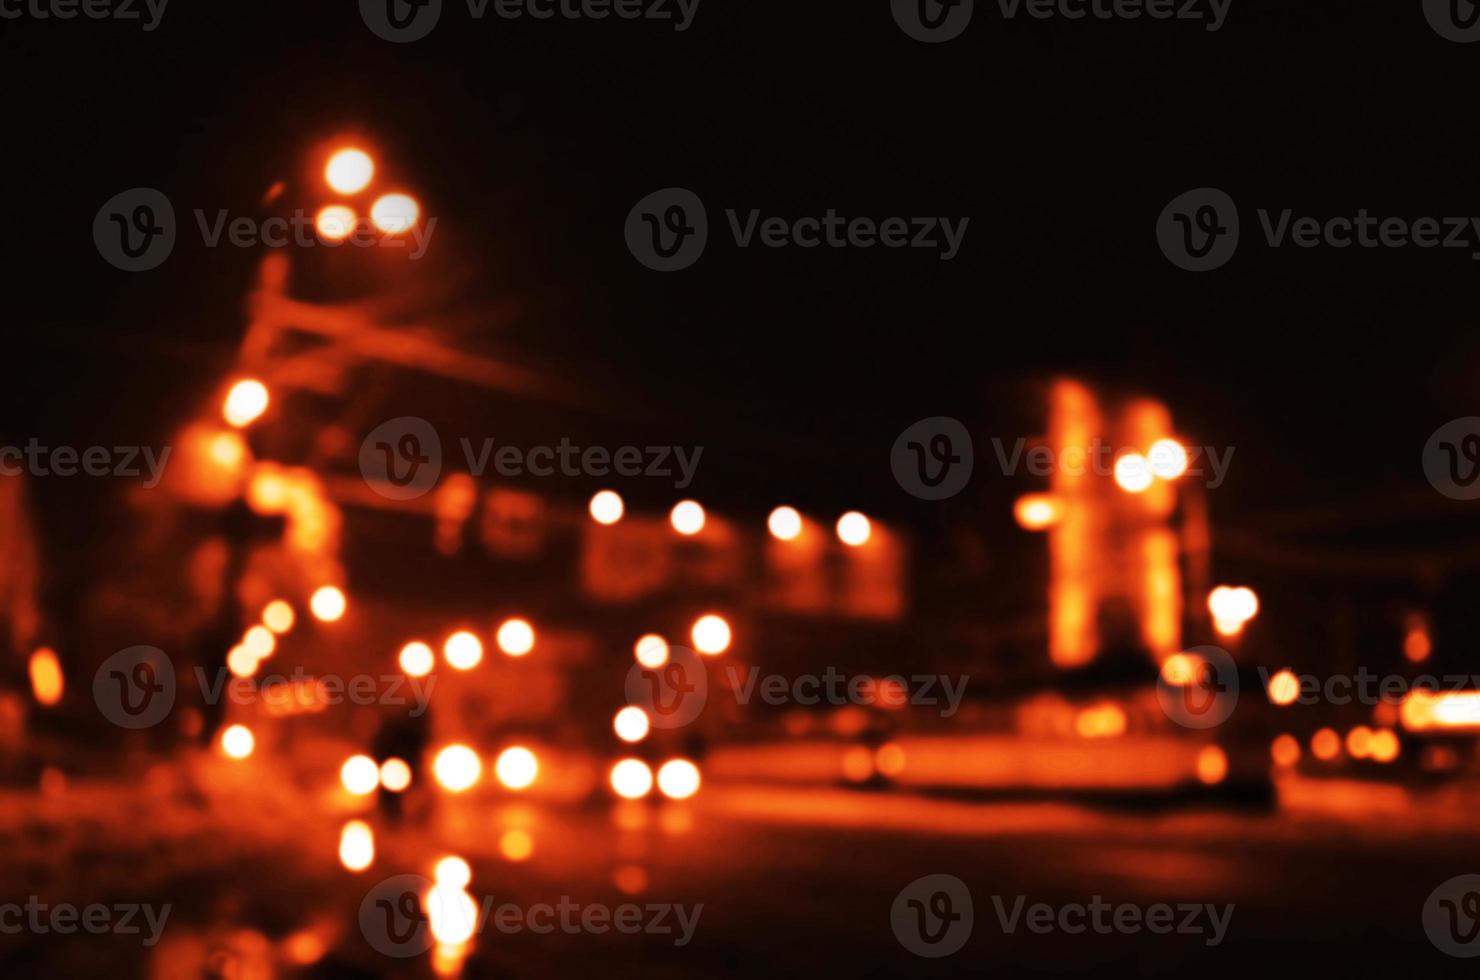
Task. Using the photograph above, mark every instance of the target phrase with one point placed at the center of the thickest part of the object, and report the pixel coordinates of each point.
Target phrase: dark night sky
(1062, 141)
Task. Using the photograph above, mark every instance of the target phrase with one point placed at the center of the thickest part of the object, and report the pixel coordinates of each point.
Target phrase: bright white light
(517, 767)
(453, 872)
(357, 845)
(395, 775)
(687, 517)
(711, 634)
(360, 775)
(457, 768)
(854, 529)
(394, 213)
(245, 402)
(632, 779)
(678, 779)
(416, 659)
(238, 741)
(607, 507)
(785, 523)
(516, 637)
(463, 650)
(328, 604)
(1133, 473)
(1168, 459)
(349, 170)
(651, 650)
(631, 724)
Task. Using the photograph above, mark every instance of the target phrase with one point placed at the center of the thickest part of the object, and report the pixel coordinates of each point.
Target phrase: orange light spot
(1359, 742)
(1285, 750)
(1180, 669)
(335, 223)
(1284, 688)
(1384, 745)
(516, 845)
(651, 650)
(889, 759)
(328, 604)
(858, 764)
(47, 682)
(245, 402)
(1212, 765)
(1325, 745)
(278, 616)
(1036, 511)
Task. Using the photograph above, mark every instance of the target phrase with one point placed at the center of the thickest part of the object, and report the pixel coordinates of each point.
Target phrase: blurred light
(858, 764)
(631, 724)
(1359, 742)
(1036, 511)
(678, 779)
(687, 517)
(1384, 745)
(632, 779)
(1180, 669)
(416, 659)
(1233, 605)
(227, 450)
(651, 650)
(630, 879)
(711, 634)
(328, 604)
(463, 650)
(1325, 745)
(1168, 459)
(394, 213)
(357, 845)
(453, 872)
(238, 741)
(785, 523)
(395, 775)
(245, 402)
(457, 768)
(516, 637)
(516, 767)
(241, 662)
(1104, 720)
(335, 223)
(889, 759)
(278, 616)
(1133, 473)
(1285, 750)
(1424, 709)
(1284, 688)
(516, 845)
(304, 947)
(259, 641)
(607, 507)
(854, 529)
(360, 775)
(267, 491)
(47, 682)
(1417, 644)
(349, 170)
(1212, 765)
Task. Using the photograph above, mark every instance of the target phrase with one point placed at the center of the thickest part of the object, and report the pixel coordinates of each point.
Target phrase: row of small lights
(688, 518)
